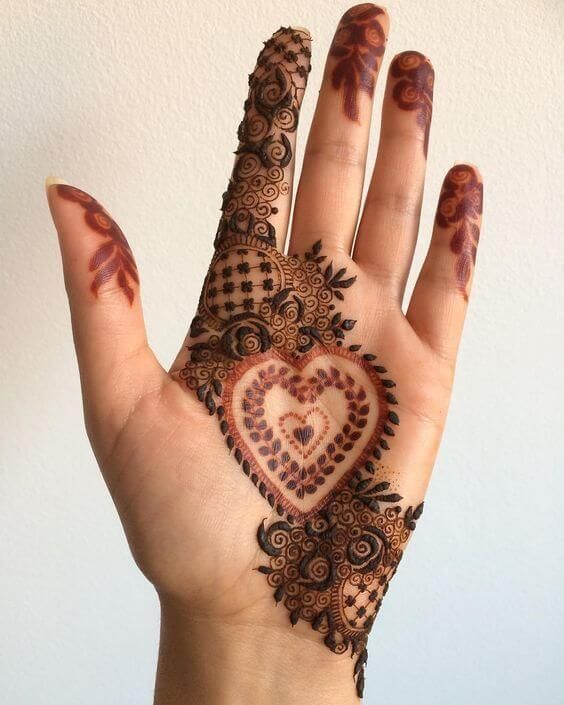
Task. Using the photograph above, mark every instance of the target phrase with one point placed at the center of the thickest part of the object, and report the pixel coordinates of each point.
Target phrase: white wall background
(138, 102)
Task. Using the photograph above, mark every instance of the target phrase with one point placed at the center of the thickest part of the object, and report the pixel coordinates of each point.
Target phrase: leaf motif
(104, 274)
(101, 255)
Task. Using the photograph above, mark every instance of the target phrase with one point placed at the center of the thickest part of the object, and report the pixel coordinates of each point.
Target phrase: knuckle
(401, 203)
(343, 153)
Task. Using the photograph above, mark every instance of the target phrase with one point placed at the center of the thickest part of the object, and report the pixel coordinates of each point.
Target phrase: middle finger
(330, 189)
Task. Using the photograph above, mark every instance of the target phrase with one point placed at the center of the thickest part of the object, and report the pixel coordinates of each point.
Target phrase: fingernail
(302, 30)
(53, 181)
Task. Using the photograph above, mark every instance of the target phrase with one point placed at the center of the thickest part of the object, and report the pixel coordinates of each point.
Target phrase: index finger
(258, 197)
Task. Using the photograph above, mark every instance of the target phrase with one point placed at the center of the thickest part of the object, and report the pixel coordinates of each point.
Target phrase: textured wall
(138, 103)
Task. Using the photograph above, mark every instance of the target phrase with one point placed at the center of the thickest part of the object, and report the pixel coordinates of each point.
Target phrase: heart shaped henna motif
(305, 432)
(277, 412)
(303, 411)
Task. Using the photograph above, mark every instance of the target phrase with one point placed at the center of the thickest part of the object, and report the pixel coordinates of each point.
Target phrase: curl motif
(413, 89)
(334, 570)
(459, 210)
(276, 90)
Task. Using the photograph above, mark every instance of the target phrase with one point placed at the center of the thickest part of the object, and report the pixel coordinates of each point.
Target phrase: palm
(305, 408)
(186, 494)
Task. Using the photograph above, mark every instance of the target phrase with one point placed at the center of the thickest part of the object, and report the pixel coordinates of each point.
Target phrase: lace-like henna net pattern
(276, 90)
(265, 315)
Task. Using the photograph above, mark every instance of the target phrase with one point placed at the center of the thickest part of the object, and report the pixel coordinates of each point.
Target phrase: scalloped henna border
(377, 444)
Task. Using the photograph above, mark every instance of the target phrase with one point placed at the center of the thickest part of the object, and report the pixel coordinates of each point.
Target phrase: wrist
(237, 662)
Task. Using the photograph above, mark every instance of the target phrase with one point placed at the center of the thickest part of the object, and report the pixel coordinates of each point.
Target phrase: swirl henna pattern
(306, 414)
(459, 210)
(359, 43)
(114, 257)
(414, 88)
(276, 89)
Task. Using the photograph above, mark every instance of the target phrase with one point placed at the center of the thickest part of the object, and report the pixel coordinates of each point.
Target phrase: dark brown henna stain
(295, 474)
(414, 88)
(334, 570)
(267, 358)
(359, 42)
(276, 89)
(114, 257)
(459, 210)
(306, 417)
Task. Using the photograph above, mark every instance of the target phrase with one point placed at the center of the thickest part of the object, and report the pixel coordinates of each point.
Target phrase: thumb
(116, 365)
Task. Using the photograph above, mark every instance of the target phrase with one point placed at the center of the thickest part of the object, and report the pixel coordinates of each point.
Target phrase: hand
(286, 454)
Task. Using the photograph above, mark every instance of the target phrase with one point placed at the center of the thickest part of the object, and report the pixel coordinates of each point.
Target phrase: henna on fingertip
(459, 211)
(113, 260)
(357, 48)
(260, 174)
(413, 88)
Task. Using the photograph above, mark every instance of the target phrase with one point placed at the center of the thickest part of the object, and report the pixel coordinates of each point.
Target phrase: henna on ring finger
(390, 221)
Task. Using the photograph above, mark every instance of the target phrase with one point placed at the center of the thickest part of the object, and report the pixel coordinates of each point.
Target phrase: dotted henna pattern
(276, 89)
(306, 414)
(459, 210)
(414, 88)
(294, 454)
(334, 570)
(113, 259)
(359, 43)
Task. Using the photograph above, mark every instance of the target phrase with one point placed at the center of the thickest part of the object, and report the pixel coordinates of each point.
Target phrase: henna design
(293, 454)
(414, 89)
(254, 299)
(334, 570)
(460, 207)
(306, 416)
(114, 257)
(276, 89)
(359, 42)
(267, 358)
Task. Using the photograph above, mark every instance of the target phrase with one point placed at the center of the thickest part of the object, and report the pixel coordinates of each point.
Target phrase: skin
(189, 513)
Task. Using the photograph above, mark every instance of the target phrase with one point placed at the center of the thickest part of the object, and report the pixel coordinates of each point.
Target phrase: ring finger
(390, 221)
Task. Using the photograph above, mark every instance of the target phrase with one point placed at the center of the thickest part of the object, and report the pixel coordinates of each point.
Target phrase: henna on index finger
(306, 413)
(260, 175)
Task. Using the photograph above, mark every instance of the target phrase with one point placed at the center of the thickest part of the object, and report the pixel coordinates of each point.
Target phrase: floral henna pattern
(114, 257)
(359, 43)
(459, 210)
(308, 420)
(334, 570)
(276, 89)
(414, 88)
(306, 413)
